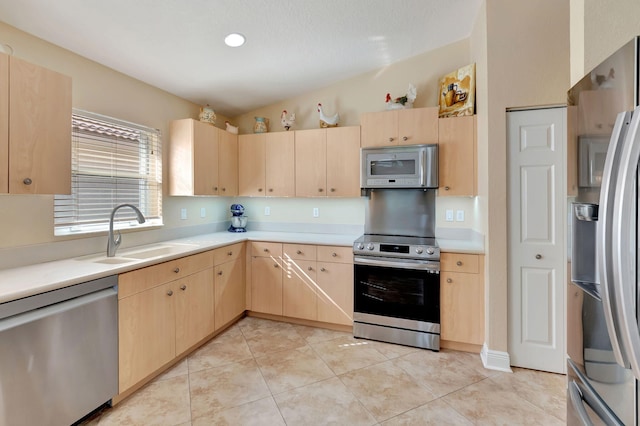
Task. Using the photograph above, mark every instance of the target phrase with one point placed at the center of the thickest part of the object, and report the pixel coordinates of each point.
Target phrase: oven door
(399, 288)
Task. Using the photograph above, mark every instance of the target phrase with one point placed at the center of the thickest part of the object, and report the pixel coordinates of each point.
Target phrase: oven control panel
(409, 251)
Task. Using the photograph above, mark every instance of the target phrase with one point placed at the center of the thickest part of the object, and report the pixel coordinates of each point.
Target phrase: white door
(536, 141)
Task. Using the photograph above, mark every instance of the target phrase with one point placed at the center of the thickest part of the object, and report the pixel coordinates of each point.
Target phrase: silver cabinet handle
(334, 254)
(170, 293)
(27, 181)
(446, 188)
(183, 287)
(538, 256)
(176, 270)
(459, 263)
(449, 280)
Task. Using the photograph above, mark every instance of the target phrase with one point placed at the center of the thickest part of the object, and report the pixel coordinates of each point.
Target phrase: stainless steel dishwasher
(59, 354)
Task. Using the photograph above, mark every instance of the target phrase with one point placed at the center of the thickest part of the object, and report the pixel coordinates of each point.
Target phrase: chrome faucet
(114, 241)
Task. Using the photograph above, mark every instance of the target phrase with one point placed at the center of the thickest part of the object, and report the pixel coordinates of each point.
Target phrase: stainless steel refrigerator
(603, 337)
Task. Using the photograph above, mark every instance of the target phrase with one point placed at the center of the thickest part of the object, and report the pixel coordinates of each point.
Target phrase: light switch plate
(316, 212)
(267, 211)
(459, 215)
(203, 212)
(448, 215)
(183, 214)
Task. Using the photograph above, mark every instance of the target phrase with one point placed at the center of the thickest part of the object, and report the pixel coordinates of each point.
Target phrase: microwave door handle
(603, 235)
(421, 170)
(624, 250)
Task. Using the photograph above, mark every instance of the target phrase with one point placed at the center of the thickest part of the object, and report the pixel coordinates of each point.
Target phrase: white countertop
(16, 283)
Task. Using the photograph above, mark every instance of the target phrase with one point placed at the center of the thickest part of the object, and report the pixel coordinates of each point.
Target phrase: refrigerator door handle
(577, 402)
(624, 243)
(604, 231)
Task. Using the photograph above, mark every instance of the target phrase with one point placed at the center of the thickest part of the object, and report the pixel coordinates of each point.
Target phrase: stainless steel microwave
(407, 166)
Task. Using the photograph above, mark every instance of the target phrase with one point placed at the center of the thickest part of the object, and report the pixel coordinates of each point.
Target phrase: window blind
(113, 162)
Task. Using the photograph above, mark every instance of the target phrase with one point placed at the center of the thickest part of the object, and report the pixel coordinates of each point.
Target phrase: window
(113, 162)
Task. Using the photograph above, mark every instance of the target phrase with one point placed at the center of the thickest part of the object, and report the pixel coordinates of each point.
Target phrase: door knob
(446, 188)
(220, 273)
(449, 280)
(538, 256)
(459, 263)
(183, 287)
(27, 181)
(176, 270)
(170, 293)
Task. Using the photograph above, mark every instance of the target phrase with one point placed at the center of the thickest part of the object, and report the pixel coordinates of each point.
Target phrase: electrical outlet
(183, 214)
(203, 212)
(459, 215)
(448, 215)
(316, 212)
(267, 211)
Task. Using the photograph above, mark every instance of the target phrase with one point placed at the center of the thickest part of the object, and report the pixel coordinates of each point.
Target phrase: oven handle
(431, 266)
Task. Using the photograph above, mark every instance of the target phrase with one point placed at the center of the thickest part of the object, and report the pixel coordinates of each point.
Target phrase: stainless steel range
(397, 270)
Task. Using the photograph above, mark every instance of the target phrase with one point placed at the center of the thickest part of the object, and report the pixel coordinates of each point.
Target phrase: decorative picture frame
(458, 92)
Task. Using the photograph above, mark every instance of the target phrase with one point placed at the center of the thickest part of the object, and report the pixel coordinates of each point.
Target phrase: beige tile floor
(262, 372)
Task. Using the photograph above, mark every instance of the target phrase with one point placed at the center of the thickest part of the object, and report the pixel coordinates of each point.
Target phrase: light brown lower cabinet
(160, 323)
(305, 282)
(167, 309)
(462, 298)
(229, 284)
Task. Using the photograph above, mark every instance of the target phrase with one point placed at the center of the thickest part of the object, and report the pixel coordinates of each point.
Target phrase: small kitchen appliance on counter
(238, 219)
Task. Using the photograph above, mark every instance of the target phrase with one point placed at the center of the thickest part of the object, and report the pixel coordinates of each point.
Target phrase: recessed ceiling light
(234, 40)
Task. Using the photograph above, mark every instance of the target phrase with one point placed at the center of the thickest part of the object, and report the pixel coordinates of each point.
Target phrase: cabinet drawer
(227, 253)
(335, 254)
(299, 251)
(458, 262)
(264, 249)
(142, 279)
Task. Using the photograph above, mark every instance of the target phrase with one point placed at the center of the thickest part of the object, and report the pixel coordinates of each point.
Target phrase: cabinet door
(462, 307)
(146, 334)
(379, 128)
(229, 291)
(227, 163)
(280, 164)
(251, 165)
(266, 285)
(335, 293)
(4, 123)
(205, 159)
(194, 309)
(311, 163)
(39, 130)
(417, 126)
(457, 156)
(299, 299)
(343, 162)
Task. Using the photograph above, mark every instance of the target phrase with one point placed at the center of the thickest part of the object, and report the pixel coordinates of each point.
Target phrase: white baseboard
(495, 360)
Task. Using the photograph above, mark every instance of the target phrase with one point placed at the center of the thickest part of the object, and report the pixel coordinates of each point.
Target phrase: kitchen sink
(157, 251)
(133, 254)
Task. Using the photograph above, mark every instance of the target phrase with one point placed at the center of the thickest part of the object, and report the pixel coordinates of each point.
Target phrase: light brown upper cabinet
(413, 126)
(202, 159)
(266, 164)
(328, 162)
(227, 163)
(35, 129)
(457, 156)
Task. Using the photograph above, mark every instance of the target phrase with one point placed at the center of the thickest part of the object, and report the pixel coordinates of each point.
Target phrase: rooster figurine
(402, 102)
(287, 123)
(328, 121)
